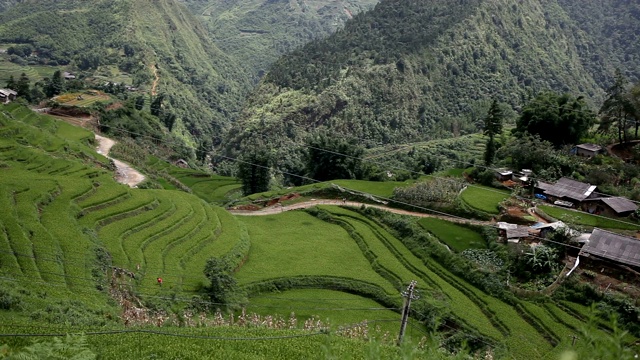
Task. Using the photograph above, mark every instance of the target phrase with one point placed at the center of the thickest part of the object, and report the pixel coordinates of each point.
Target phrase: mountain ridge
(412, 71)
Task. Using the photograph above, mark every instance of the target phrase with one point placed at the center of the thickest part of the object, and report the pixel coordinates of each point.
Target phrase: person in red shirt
(160, 281)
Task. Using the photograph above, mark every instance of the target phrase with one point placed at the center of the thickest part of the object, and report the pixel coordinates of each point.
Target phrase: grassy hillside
(78, 250)
(417, 70)
(159, 45)
(67, 226)
(257, 32)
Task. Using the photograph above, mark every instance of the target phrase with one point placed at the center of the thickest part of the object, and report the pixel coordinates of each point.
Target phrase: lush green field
(214, 189)
(483, 198)
(211, 343)
(296, 244)
(583, 218)
(459, 238)
(67, 229)
(34, 72)
(334, 308)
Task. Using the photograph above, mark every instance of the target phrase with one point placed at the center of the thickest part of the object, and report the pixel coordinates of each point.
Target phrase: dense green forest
(416, 70)
(257, 32)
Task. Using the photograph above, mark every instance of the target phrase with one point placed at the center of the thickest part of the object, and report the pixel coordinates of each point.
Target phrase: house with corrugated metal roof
(568, 190)
(610, 205)
(612, 247)
(587, 150)
(7, 96)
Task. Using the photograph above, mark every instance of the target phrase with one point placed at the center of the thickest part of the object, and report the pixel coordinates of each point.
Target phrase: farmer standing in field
(160, 281)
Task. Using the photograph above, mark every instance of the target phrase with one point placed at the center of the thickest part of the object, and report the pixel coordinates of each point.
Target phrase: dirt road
(125, 174)
(276, 209)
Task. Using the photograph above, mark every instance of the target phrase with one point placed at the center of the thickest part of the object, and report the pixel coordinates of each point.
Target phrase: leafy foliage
(417, 70)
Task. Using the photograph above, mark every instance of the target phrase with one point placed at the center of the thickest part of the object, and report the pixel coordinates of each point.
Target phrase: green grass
(484, 198)
(582, 218)
(295, 243)
(460, 305)
(378, 188)
(457, 237)
(333, 307)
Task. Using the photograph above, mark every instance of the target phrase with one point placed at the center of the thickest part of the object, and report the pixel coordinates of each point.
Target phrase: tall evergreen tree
(492, 127)
(326, 158)
(254, 169)
(617, 109)
(54, 85)
(11, 83)
(23, 88)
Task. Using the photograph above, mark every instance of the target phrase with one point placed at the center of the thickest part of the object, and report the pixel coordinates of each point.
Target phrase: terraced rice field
(458, 238)
(526, 330)
(34, 72)
(60, 211)
(483, 198)
(66, 227)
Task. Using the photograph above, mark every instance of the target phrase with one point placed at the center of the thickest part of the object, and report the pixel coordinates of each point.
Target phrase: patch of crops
(457, 237)
(334, 308)
(483, 198)
(295, 243)
(460, 305)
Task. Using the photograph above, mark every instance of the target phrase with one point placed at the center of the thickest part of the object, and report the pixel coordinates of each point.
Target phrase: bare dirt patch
(125, 174)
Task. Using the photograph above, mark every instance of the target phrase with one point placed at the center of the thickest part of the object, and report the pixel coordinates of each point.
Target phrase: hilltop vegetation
(150, 41)
(417, 70)
(257, 32)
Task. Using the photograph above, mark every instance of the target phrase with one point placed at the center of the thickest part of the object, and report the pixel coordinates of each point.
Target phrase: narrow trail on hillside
(125, 174)
(156, 79)
(307, 204)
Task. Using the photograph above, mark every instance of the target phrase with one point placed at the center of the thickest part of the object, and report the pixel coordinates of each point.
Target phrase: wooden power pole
(408, 295)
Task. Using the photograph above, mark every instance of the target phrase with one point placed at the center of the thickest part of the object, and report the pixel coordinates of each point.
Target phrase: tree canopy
(558, 118)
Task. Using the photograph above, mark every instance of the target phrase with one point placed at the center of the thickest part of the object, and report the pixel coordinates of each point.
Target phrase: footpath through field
(276, 209)
(125, 174)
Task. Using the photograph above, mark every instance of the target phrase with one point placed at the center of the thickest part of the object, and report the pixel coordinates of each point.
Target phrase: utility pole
(408, 295)
(573, 343)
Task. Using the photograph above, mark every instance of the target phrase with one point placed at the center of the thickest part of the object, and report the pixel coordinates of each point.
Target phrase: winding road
(125, 174)
(276, 209)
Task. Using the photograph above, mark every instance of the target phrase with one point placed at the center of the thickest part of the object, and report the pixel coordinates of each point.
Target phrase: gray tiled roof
(590, 147)
(612, 246)
(620, 204)
(571, 189)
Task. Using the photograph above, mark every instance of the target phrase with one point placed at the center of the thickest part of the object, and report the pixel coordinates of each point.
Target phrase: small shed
(588, 150)
(7, 95)
(619, 249)
(182, 164)
(68, 76)
(503, 174)
(512, 233)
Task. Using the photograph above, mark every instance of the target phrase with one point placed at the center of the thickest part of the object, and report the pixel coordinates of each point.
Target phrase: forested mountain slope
(203, 87)
(257, 32)
(414, 70)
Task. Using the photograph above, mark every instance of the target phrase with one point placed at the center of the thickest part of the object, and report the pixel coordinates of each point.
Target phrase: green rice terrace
(82, 253)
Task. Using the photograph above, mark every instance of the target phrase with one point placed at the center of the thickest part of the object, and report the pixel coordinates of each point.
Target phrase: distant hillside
(5, 4)
(257, 32)
(416, 70)
(203, 87)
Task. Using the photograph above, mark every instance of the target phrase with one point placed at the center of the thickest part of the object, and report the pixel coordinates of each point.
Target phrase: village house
(587, 150)
(7, 96)
(512, 233)
(68, 76)
(610, 206)
(613, 249)
(567, 192)
(503, 174)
